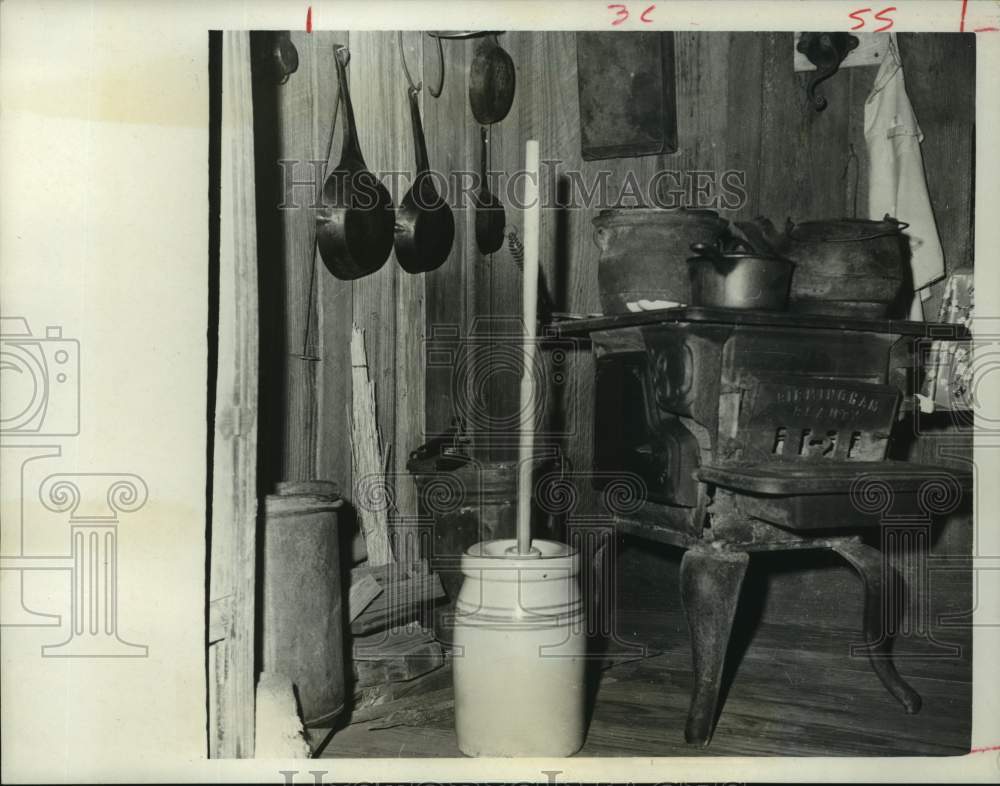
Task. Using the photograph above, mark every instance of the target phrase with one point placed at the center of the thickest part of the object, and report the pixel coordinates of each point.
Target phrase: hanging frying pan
(491, 81)
(425, 227)
(490, 216)
(354, 230)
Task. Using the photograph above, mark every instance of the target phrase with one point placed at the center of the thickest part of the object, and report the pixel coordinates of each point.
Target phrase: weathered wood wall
(306, 384)
(233, 496)
(740, 107)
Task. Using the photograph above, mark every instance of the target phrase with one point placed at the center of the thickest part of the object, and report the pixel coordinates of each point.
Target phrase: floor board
(793, 692)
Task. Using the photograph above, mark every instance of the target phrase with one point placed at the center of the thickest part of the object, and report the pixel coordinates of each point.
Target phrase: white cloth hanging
(896, 178)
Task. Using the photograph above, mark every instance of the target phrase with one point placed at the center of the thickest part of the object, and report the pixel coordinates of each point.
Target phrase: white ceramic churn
(519, 651)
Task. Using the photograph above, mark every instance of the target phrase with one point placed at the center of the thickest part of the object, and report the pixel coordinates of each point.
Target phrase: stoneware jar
(644, 254)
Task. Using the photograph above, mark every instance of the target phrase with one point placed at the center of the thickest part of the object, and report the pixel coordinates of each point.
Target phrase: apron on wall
(896, 178)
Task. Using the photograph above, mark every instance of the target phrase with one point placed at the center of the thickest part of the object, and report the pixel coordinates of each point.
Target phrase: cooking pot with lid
(844, 267)
(736, 278)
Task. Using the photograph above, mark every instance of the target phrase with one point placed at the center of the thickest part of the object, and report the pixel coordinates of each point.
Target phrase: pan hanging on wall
(491, 75)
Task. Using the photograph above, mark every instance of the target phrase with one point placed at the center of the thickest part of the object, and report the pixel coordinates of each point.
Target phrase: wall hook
(826, 51)
(285, 57)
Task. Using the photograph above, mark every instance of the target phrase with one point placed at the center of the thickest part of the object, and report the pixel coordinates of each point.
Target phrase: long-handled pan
(490, 215)
(354, 230)
(425, 227)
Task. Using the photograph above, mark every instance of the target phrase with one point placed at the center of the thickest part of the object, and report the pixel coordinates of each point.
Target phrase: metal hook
(826, 51)
(406, 69)
(440, 83)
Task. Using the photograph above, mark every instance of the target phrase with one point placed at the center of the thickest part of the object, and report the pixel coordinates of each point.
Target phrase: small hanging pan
(491, 81)
(425, 227)
(490, 216)
(354, 230)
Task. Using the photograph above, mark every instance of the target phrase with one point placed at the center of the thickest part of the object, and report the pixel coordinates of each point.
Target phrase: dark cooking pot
(848, 266)
(643, 252)
(738, 278)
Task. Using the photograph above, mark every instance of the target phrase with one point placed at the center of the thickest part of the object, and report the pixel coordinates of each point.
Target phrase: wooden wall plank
(298, 105)
(378, 105)
(410, 393)
(294, 125)
(860, 81)
(803, 152)
(452, 146)
(389, 309)
(499, 386)
(941, 83)
(335, 300)
(745, 115)
(234, 462)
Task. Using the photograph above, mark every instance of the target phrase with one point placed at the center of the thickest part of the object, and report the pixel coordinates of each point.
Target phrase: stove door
(632, 435)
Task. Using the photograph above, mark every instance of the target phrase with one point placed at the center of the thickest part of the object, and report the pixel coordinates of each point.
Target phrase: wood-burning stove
(759, 431)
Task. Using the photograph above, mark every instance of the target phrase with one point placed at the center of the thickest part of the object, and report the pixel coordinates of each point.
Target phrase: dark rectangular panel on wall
(627, 94)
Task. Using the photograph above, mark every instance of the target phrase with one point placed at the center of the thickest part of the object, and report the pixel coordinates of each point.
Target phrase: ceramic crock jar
(845, 267)
(644, 253)
(519, 662)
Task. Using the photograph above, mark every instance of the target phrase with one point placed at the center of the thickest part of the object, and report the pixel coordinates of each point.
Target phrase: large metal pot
(738, 279)
(644, 253)
(845, 267)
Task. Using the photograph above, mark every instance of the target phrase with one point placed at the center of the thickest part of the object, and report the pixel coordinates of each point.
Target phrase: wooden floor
(796, 692)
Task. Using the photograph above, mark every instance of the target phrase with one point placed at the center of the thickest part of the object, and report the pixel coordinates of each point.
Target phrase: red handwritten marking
(985, 749)
(643, 15)
(961, 24)
(309, 20)
(884, 19)
(856, 15)
(622, 13)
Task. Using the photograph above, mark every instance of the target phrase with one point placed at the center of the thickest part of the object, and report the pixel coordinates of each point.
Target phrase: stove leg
(710, 590)
(874, 569)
